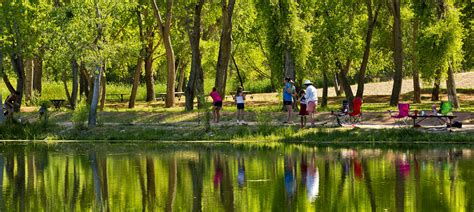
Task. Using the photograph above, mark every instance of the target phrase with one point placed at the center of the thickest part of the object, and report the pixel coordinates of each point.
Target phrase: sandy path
(463, 80)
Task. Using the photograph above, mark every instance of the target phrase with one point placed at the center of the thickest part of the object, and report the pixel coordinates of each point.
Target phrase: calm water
(224, 177)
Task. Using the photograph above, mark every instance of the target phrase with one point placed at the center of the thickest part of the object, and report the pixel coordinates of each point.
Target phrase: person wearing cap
(288, 98)
(311, 100)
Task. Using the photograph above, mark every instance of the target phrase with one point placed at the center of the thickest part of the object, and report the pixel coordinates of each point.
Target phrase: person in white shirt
(240, 101)
(311, 100)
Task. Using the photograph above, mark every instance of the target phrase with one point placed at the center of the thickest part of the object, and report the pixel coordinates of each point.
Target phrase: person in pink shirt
(217, 104)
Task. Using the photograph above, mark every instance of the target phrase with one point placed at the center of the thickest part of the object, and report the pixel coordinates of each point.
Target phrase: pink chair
(402, 118)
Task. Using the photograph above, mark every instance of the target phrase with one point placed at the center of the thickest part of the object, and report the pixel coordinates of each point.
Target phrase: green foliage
(80, 115)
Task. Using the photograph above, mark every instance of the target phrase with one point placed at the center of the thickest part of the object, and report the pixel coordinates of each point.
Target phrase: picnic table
(162, 96)
(417, 119)
(57, 103)
(119, 95)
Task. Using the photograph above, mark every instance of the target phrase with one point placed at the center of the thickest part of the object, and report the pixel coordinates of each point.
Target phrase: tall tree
(138, 68)
(371, 21)
(398, 52)
(196, 77)
(99, 70)
(165, 30)
(225, 45)
(415, 67)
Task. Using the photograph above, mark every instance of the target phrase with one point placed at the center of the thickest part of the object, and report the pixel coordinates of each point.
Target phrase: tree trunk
(451, 87)
(136, 82)
(171, 69)
(238, 72)
(416, 74)
(95, 96)
(28, 89)
(398, 53)
(99, 72)
(336, 85)
(196, 76)
(17, 62)
(182, 70)
(436, 86)
(371, 21)
(225, 46)
(38, 74)
(138, 68)
(75, 82)
(66, 89)
(289, 63)
(149, 78)
(2, 120)
(86, 84)
(165, 29)
(344, 81)
(103, 84)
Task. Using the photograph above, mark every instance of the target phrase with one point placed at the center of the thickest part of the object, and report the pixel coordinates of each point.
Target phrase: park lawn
(262, 132)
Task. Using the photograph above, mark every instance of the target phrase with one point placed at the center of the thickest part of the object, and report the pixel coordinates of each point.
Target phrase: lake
(233, 177)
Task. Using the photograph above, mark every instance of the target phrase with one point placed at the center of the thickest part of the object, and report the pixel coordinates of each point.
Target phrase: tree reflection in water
(203, 178)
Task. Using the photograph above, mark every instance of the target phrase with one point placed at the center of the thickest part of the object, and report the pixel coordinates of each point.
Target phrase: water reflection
(228, 178)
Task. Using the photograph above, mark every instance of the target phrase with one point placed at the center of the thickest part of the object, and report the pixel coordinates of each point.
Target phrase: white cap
(307, 82)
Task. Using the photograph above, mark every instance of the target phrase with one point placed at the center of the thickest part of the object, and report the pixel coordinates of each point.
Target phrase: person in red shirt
(217, 104)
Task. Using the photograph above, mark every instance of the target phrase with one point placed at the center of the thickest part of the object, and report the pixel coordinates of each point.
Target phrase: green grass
(260, 132)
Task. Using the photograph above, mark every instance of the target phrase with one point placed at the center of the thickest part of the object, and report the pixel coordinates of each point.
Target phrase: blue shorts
(240, 106)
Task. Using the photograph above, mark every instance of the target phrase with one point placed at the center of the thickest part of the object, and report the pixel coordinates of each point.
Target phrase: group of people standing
(308, 99)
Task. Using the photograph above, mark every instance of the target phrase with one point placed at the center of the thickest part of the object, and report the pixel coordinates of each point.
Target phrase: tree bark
(103, 84)
(196, 76)
(28, 89)
(17, 63)
(436, 86)
(38, 74)
(336, 85)
(344, 81)
(86, 83)
(66, 89)
(371, 21)
(416, 74)
(95, 95)
(289, 63)
(149, 78)
(182, 69)
(165, 27)
(225, 45)
(451, 87)
(398, 53)
(138, 68)
(75, 82)
(238, 72)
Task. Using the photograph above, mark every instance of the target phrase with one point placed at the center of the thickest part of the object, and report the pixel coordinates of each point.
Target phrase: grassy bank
(232, 133)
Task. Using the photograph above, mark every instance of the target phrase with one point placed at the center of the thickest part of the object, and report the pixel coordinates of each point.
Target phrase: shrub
(80, 115)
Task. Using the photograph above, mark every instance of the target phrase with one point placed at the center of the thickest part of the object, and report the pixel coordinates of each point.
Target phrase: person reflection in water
(304, 167)
(403, 165)
(290, 178)
(312, 180)
(218, 171)
(241, 171)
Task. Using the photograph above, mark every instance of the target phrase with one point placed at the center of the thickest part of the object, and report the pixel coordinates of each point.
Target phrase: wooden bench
(417, 119)
(162, 96)
(118, 95)
(57, 103)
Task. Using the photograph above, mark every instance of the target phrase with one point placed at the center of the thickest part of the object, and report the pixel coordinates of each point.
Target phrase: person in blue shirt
(288, 98)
